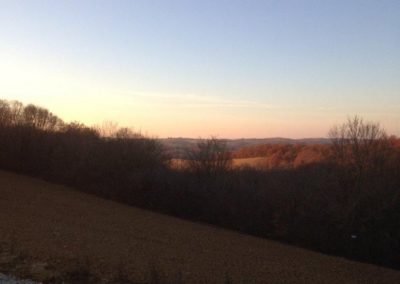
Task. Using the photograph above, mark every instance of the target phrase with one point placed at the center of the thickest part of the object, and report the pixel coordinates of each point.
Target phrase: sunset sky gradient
(197, 68)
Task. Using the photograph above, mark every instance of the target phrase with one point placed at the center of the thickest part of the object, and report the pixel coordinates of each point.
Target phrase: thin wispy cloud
(201, 101)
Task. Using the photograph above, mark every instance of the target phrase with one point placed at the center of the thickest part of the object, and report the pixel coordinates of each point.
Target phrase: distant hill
(177, 147)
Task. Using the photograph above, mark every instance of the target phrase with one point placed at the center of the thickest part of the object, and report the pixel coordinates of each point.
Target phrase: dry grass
(257, 162)
(179, 164)
(58, 225)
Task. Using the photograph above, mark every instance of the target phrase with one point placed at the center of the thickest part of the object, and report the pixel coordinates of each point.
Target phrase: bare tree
(127, 133)
(359, 145)
(10, 112)
(5, 113)
(107, 129)
(39, 117)
(17, 109)
(210, 157)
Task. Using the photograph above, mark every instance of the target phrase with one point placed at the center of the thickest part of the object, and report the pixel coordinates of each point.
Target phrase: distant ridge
(177, 147)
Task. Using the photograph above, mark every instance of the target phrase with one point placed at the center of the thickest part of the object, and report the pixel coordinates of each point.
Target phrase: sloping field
(58, 224)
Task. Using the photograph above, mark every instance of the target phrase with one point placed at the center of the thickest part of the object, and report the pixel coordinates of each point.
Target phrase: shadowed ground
(57, 224)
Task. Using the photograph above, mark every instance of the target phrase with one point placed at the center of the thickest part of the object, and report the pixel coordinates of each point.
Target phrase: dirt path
(58, 224)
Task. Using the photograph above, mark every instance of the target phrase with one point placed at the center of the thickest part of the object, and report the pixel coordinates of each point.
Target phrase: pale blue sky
(199, 68)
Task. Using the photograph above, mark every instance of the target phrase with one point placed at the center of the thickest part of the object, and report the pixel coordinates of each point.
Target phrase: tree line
(345, 204)
(284, 155)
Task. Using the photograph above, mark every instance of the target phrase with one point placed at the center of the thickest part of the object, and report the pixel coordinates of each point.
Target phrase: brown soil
(58, 225)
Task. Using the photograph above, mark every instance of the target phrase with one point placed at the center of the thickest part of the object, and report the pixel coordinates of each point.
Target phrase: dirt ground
(58, 225)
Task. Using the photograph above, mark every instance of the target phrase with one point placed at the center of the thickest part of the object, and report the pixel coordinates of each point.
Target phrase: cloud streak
(200, 101)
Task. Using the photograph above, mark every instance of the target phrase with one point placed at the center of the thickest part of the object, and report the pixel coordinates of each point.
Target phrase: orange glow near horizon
(92, 100)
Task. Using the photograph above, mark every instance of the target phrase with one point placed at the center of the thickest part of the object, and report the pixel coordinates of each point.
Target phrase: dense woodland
(345, 200)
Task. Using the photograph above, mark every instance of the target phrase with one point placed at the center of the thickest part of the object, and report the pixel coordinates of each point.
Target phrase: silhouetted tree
(5, 113)
(210, 157)
(107, 129)
(359, 145)
(127, 133)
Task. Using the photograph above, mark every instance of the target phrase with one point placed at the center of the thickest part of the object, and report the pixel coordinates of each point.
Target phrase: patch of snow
(4, 279)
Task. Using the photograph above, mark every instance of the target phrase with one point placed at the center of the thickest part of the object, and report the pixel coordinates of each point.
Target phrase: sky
(188, 68)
